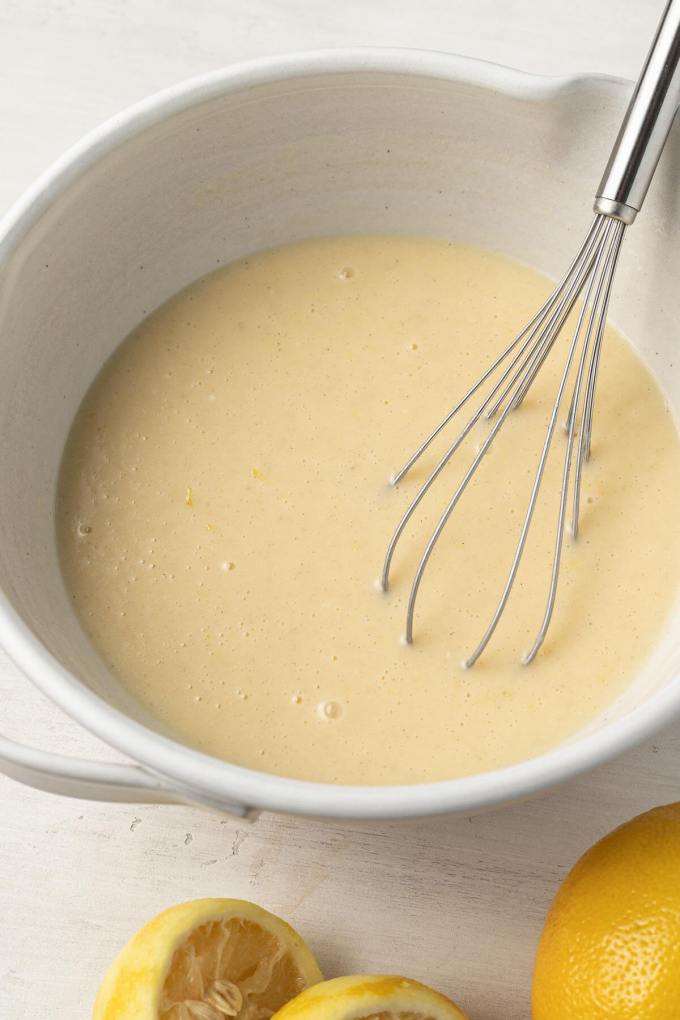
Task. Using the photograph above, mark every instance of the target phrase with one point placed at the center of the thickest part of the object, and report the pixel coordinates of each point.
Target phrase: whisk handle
(645, 127)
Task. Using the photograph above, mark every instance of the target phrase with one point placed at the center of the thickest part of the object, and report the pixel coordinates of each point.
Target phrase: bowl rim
(177, 763)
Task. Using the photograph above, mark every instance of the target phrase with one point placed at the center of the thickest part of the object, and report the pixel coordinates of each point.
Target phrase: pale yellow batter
(223, 514)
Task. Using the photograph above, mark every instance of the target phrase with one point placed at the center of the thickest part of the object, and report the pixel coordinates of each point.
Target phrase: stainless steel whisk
(619, 198)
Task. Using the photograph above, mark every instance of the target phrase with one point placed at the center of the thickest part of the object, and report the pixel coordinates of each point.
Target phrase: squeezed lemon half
(208, 959)
(370, 997)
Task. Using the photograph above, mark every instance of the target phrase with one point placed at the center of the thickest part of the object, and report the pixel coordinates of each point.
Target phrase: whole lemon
(610, 948)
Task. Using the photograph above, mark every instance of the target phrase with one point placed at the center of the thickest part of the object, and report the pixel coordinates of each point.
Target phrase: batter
(223, 513)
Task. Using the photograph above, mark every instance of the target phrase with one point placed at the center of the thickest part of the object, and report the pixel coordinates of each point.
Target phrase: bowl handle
(93, 780)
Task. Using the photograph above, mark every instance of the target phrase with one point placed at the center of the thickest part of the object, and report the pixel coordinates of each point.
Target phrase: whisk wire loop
(533, 499)
(591, 271)
(598, 312)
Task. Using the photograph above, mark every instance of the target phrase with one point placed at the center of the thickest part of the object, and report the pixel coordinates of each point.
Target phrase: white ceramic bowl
(257, 155)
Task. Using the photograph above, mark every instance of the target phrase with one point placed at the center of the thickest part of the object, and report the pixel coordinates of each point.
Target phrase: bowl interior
(178, 191)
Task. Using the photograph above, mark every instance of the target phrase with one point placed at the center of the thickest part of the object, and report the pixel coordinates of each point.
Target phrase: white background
(458, 902)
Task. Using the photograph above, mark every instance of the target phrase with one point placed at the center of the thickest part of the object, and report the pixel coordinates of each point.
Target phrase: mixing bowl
(375, 141)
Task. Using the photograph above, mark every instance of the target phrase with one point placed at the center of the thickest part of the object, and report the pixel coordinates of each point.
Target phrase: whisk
(589, 278)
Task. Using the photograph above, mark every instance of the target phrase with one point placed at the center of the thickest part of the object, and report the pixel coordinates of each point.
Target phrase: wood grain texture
(455, 902)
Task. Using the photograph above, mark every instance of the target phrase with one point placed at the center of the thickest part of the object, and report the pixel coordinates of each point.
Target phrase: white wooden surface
(458, 902)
